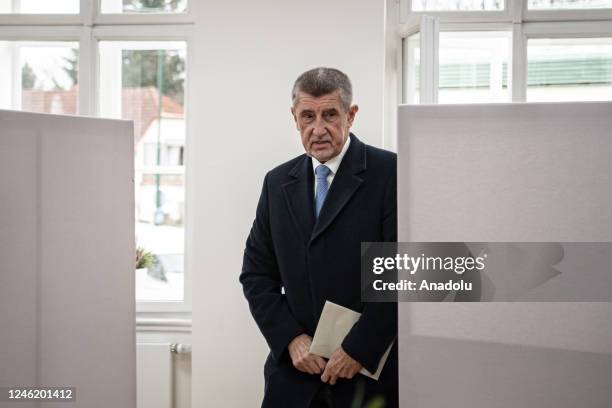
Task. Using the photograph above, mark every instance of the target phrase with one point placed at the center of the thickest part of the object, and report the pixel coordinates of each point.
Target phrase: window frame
(88, 28)
(90, 15)
(524, 25)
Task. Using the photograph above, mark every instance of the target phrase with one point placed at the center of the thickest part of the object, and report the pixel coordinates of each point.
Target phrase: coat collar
(299, 192)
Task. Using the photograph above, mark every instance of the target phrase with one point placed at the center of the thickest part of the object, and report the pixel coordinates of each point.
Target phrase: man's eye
(331, 115)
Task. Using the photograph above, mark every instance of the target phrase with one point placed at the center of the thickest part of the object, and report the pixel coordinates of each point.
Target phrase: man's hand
(301, 357)
(340, 365)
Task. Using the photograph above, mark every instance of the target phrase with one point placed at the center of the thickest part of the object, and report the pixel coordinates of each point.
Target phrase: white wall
(247, 56)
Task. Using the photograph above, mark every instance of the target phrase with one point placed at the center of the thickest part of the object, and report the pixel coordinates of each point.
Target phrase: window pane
(474, 67)
(457, 5)
(40, 6)
(412, 73)
(568, 4)
(144, 81)
(160, 212)
(39, 76)
(143, 6)
(569, 69)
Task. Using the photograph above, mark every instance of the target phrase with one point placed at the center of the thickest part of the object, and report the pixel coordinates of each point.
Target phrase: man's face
(323, 124)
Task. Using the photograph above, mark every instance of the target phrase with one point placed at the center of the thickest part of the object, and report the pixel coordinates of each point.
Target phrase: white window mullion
(393, 74)
(518, 76)
(86, 73)
(87, 12)
(15, 61)
(568, 15)
(517, 10)
(110, 101)
(568, 29)
(190, 158)
(429, 60)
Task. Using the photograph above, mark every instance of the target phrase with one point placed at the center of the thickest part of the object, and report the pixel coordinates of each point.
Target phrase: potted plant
(144, 260)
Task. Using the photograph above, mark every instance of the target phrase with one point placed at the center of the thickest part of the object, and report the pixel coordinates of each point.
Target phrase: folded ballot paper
(334, 324)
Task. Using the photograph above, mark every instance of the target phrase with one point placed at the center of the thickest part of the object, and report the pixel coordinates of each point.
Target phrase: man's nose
(318, 129)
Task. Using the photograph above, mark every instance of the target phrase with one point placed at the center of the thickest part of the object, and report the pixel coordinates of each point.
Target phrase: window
(568, 4)
(39, 76)
(39, 6)
(120, 59)
(144, 81)
(530, 50)
(569, 69)
(457, 5)
(146, 6)
(474, 67)
(412, 66)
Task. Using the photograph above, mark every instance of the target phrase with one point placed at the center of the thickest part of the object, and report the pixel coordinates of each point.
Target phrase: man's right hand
(302, 359)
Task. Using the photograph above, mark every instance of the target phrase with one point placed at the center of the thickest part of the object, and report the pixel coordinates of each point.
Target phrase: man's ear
(351, 114)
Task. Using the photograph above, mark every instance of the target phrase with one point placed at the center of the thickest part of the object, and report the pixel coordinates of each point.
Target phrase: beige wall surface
(247, 56)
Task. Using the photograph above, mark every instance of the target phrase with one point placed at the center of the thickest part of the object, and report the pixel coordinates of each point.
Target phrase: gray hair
(322, 81)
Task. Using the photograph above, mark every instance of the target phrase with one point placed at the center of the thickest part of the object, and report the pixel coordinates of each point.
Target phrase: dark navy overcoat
(318, 259)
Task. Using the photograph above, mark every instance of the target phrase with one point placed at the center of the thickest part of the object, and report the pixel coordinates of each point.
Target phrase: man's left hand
(340, 365)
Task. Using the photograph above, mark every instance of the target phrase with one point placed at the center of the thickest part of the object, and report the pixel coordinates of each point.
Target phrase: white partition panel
(67, 312)
(507, 173)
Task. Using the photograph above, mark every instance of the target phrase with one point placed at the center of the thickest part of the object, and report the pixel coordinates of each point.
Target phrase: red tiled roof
(142, 104)
(35, 100)
(139, 104)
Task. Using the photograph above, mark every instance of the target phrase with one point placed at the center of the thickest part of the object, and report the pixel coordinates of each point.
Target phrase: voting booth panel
(505, 173)
(67, 308)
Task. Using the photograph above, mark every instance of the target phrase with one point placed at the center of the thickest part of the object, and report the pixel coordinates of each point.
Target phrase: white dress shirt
(332, 164)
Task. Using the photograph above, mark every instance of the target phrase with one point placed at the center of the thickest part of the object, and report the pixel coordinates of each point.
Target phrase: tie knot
(322, 171)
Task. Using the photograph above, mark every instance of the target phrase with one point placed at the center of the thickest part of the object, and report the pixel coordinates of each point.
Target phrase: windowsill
(167, 322)
(159, 308)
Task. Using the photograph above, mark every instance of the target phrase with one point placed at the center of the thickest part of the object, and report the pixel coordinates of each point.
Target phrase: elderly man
(313, 213)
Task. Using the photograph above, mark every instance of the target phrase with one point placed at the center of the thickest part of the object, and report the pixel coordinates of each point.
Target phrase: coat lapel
(299, 195)
(346, 182)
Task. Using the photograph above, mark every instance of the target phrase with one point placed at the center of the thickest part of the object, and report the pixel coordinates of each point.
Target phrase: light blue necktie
(321, 173)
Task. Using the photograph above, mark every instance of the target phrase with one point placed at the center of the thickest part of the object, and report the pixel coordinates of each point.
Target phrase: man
(313, 213)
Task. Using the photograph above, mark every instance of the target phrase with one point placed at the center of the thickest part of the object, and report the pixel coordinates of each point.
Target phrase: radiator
(154, 382)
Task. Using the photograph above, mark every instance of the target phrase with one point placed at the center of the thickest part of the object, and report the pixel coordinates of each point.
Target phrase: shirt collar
(334, 162)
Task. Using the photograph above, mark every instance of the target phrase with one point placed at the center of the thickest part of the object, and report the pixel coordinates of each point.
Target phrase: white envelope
(334, 324)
